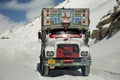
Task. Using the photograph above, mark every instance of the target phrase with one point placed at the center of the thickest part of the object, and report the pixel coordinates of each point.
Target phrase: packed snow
(19, 54)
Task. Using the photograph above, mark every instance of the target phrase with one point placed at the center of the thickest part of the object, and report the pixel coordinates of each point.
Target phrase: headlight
(50, 53)
(84, 53)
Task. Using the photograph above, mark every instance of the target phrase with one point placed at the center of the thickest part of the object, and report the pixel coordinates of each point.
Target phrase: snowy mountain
(19, 54)
(97, 9)
(28, 31)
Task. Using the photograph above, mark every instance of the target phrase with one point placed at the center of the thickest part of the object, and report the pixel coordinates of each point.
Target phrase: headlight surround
(50, 53)
(84, 53)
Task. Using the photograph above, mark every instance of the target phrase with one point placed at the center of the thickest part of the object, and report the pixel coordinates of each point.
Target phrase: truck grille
(67, 51)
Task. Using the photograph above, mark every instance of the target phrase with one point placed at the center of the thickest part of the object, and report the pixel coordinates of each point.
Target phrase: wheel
(85, 70)
(44, 69)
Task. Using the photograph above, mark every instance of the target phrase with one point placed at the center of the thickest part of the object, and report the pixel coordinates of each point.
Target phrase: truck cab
(64, 39)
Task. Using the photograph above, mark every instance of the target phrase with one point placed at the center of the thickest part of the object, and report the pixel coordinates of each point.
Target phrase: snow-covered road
(19, 58)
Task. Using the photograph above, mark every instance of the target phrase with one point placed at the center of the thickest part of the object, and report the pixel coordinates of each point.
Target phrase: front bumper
(61, 63)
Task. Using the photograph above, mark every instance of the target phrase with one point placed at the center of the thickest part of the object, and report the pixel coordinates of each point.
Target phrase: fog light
(84, 60)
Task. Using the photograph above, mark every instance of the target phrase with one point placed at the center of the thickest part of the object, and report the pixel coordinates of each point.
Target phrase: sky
(20, 12)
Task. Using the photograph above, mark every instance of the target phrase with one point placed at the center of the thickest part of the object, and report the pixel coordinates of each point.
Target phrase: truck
(64, 39)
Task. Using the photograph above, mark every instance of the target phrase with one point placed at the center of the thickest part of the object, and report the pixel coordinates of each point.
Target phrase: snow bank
(106, 54)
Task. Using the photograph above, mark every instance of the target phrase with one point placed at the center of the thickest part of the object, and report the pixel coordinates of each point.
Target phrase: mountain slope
(28, 31)
(97, 9)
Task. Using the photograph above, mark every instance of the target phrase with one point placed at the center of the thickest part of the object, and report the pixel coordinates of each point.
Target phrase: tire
(44, 69)
(85, 70)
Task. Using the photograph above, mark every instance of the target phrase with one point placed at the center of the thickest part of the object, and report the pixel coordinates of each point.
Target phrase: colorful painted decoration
(59, 16)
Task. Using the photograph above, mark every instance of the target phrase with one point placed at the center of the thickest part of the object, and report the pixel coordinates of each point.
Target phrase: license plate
(51, 61)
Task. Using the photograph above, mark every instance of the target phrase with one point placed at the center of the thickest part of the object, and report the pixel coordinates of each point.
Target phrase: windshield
(69, 33)
(62, 31)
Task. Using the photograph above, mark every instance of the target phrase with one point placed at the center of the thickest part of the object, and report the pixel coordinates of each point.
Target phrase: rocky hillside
(109, 24)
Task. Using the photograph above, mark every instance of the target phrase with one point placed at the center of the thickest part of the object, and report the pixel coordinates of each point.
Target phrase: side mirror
(39, 35)
(87, 34)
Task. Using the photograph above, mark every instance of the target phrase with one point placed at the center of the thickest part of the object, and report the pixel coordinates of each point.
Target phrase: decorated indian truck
(64, 39)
